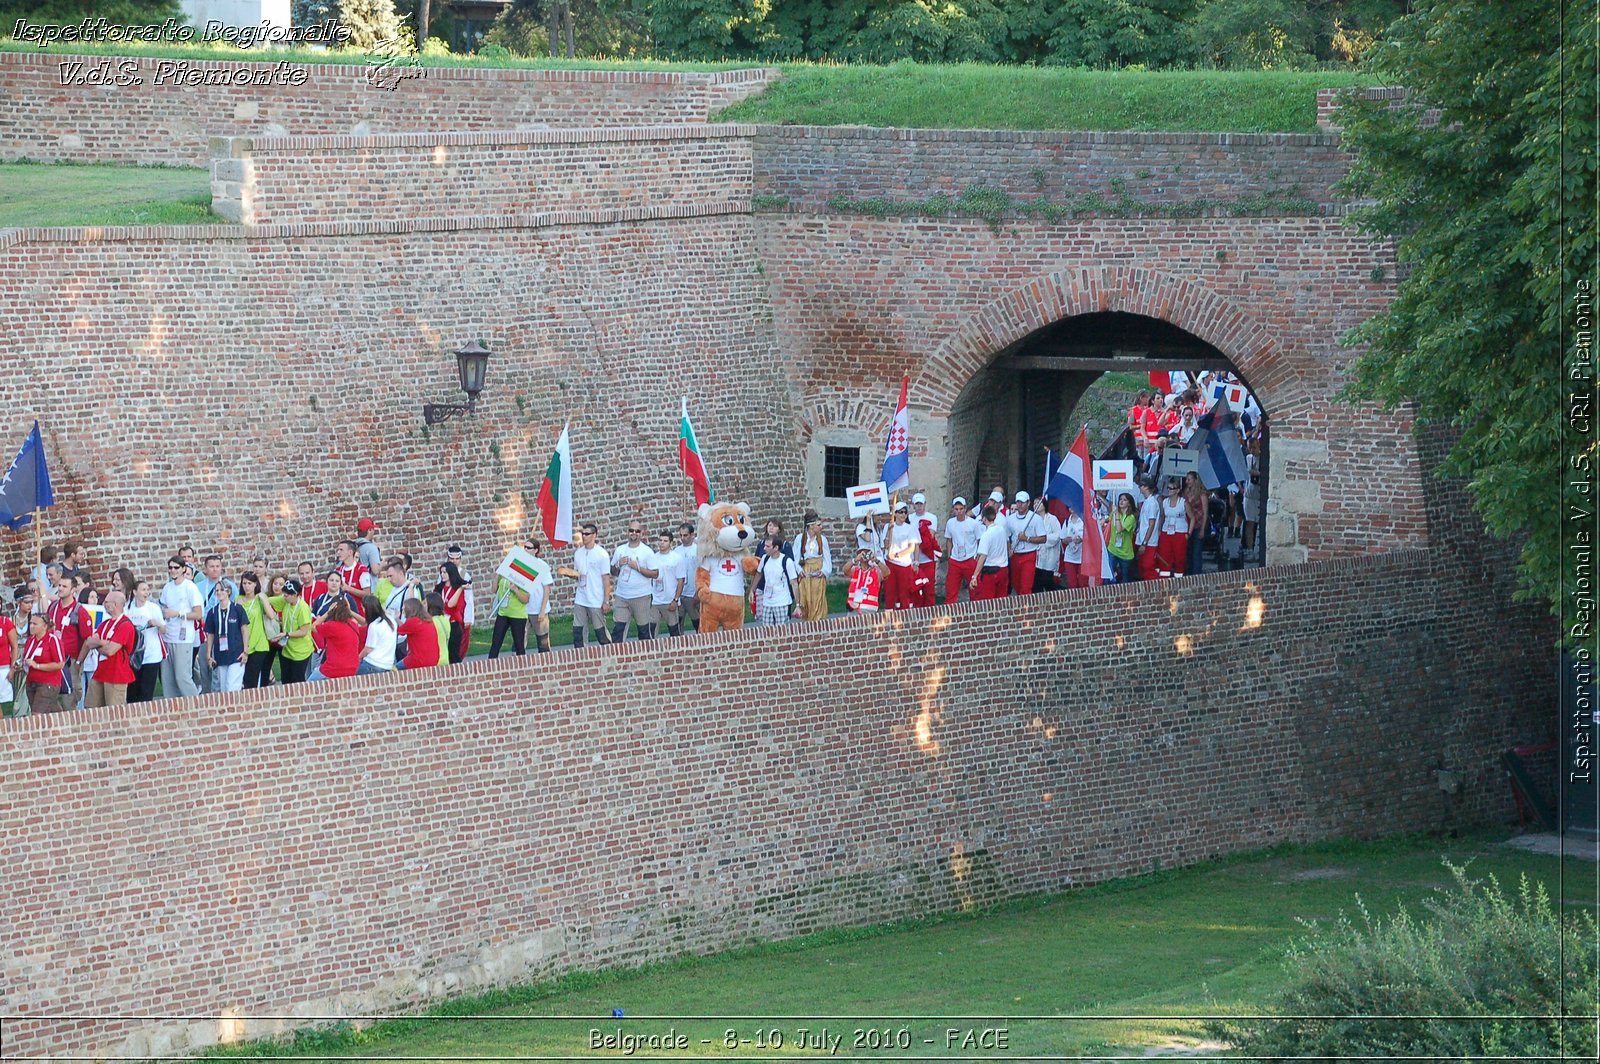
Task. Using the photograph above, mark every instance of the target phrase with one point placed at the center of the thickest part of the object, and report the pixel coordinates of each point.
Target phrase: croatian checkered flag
(896, 463)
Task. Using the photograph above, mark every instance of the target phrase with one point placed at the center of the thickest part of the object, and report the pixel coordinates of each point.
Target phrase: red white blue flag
(896, 462)
(1076, 468)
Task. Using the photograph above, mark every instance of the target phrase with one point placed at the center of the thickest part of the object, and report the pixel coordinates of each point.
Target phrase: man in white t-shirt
(993, 560)
(666, 590)
(591, 599)
(1027, 536)
(635, 565)
(926, 564)
(961, 532)
(777, 578)
(181, 607)
(1149, 532)
(689, 561)
(1049, 556)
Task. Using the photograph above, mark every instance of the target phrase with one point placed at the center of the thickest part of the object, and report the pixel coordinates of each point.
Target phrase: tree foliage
(70, 12)
(1483, 976)
(1487, 181)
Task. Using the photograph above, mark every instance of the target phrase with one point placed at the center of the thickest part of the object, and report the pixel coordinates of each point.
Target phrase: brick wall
(374, 843)
(46, 114)
(1329, 102)
(808, 165)
(258, 390)
(860, 301)
(295, 180)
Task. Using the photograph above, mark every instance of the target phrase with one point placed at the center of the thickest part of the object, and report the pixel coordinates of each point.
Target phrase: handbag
(269, 621)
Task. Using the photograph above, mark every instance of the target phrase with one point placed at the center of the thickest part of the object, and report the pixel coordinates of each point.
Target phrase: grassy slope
(1199, 941)
(33, 194)
(992, 97)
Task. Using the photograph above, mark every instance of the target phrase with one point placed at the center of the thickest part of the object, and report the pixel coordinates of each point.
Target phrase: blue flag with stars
(26, 486)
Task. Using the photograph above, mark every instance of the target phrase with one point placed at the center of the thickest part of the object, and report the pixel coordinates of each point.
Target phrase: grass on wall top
(923, 96)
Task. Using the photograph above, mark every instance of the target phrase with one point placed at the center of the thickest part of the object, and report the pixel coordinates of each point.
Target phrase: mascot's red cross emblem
(729, 565)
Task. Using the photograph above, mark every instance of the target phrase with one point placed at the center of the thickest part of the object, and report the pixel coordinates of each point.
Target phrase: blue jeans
(1123, 569)
(366, 668)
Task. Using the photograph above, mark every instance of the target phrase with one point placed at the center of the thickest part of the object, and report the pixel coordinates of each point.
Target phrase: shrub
(1485, 976)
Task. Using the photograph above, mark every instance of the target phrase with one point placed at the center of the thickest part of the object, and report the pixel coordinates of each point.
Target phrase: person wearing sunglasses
(181, 607)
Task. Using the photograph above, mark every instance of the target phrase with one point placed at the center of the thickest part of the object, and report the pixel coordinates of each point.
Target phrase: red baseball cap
(366, 524)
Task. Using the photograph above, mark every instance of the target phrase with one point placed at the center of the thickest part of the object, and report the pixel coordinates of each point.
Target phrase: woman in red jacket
(43, 658)
(452, 587)
(338, 635)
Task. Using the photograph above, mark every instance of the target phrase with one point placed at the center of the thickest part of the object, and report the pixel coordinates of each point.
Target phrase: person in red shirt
(357, 578)
(10, 648)
(421, 636)
(70, 621)
(338, 635)
(43, 659)
(114, 639)
(311, 588)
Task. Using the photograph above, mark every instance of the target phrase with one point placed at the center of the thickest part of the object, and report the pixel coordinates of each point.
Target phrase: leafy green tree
(1119, 33)
(1492, 202)
(1257, 34)
(708, 29)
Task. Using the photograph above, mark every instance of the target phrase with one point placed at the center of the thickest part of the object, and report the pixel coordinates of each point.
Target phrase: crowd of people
(69, 642)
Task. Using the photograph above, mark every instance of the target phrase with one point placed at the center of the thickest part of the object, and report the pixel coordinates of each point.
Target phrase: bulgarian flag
(555, 494)
(692, 461)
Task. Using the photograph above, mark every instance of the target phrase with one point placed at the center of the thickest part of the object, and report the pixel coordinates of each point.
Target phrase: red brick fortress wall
(808, 165)
(151, 112)
(296, 180)
(367, 844)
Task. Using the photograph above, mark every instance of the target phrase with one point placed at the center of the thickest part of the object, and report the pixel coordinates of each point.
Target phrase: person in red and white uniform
(990, 576)
(10, 650)
(866, 582)
(1173, 546)
(1027, 536)
(114, 639)
(42, 661)
(1148, 537)
(357, 577)
(900, 551)
(961, 532)
(927, 527)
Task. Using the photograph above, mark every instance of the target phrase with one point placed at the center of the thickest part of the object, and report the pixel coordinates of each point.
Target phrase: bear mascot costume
(726, 545)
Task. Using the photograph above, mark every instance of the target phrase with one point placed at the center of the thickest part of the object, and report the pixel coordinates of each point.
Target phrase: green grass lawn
(975, 96)
(36, 194)
(1196, 942)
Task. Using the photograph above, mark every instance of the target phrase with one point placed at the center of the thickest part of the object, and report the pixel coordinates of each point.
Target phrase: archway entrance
(1087, 369)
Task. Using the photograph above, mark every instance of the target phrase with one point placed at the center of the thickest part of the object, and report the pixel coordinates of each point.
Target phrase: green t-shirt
(442, 623)
(293, 618)
(510, 606)
(257, 642)
(1123, 526)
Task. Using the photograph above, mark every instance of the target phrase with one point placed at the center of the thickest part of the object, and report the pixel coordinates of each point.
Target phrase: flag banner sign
(26, 485)
(1217, 443)
(555, 495)
(1113, 475)
(1218, 389)
(867, 499)
(1177, 461)
(896, 460)
(692, 460)
(1237, 395)
(524, 570)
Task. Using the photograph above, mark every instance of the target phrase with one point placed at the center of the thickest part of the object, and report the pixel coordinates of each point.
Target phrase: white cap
(959, 500)
(919, 497)
(900, 506)
(1022, 496)
(997, 495)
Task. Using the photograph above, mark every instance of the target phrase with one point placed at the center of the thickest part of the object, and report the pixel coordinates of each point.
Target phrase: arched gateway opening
(1086, 371)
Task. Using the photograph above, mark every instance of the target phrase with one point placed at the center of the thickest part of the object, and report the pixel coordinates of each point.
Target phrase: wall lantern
(472, 362)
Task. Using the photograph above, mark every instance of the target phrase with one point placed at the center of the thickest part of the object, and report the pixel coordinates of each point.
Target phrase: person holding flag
(1073, 483)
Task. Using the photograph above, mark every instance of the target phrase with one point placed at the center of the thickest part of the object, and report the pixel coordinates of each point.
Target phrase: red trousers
(927, 573)
(990, 586)
(901, 590)
(1022, 566)
(1147, 563)
(1072, 573)
(956, 576)
(1173, 550)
